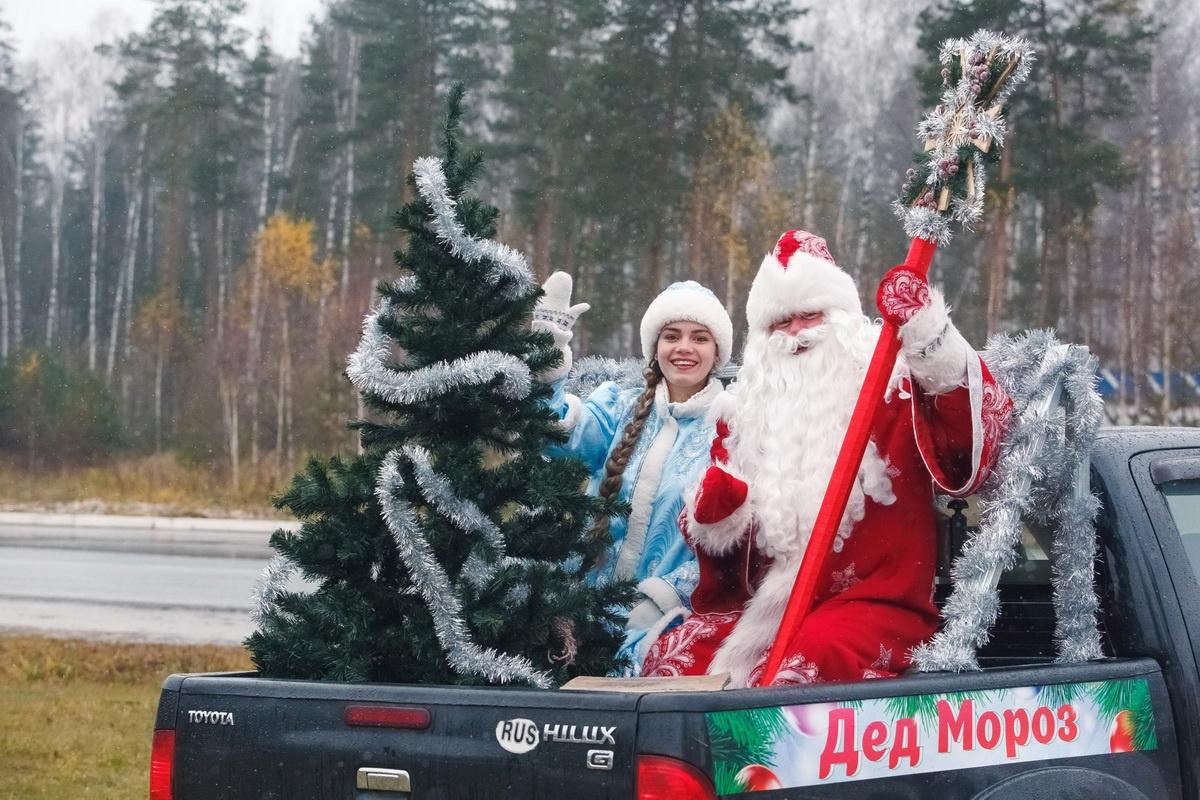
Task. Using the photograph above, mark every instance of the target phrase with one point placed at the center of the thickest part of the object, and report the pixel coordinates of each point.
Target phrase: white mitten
(643, 616)
(555, 315)
(659, 599)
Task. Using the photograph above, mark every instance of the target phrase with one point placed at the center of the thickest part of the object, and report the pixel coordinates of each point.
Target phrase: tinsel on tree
(451, 550)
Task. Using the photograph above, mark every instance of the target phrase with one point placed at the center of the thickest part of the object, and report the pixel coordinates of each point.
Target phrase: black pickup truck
(1127, 726)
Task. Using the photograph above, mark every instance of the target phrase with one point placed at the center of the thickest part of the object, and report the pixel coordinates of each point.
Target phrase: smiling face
(686, 353)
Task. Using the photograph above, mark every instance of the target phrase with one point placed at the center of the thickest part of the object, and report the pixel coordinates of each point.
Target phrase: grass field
(76, 718)
(160, 484)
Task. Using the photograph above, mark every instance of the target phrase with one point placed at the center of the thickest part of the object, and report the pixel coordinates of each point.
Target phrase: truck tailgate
(245, 737)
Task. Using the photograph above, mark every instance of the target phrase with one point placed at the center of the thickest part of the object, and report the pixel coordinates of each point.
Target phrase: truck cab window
(1183, 499)
(959, 520)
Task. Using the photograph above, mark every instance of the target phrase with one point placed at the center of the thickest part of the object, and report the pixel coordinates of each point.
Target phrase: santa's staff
(961, 134)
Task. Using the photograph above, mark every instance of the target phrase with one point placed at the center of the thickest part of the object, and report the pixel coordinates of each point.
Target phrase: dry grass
(45, 660)
(160, 484)
(76, 717)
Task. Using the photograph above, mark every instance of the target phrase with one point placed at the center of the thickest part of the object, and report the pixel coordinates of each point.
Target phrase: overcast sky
(37, 22)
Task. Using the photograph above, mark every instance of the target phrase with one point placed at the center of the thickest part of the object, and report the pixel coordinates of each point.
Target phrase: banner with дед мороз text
(781, 747)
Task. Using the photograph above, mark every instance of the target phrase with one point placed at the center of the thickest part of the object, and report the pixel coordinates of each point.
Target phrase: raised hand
(555, 315)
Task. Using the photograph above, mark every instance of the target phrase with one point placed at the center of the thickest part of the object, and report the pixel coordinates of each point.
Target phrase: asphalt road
(140, 584)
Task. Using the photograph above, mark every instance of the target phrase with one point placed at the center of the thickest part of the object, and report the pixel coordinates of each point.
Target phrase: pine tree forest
(192, 225)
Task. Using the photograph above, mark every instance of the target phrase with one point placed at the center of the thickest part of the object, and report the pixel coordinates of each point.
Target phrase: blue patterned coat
(668, 459)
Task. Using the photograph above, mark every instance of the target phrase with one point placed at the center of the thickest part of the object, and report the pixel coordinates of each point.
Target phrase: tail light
(662, 778)
(162, 764)
(387, 717)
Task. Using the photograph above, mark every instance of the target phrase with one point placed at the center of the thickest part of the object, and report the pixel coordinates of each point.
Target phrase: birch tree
(261, 73)
(18, 228)
(123, 293)
(10, 142)
(62, 112)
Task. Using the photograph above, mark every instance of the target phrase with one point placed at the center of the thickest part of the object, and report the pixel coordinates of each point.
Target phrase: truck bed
(239, 736)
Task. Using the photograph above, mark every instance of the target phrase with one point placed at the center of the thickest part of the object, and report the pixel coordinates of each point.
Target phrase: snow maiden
(645, 446)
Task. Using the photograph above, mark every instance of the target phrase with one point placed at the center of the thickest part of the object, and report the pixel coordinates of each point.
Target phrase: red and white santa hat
(799, 276)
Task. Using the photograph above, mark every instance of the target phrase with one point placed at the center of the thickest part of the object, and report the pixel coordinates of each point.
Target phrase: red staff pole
(845, 470)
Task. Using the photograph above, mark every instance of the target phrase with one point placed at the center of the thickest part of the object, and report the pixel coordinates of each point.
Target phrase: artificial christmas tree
(450, 550)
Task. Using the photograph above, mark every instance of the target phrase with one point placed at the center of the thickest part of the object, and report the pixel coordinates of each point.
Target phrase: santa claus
(778, 435)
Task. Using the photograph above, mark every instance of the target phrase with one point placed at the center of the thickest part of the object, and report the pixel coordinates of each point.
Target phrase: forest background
(191, 224)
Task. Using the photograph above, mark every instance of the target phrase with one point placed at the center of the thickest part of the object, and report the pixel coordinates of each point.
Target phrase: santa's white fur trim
(937, 354)
(574, 411)
(688, 301)
(756, 630)
(807, 284)
(661, 592)
(717, 538)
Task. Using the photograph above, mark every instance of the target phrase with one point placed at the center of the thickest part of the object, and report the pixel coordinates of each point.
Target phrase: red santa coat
(876, 601)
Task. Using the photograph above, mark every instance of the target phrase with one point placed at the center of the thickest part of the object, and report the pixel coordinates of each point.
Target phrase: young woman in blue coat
(646, 446)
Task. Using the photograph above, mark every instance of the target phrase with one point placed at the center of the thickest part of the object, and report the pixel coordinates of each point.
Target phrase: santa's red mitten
(901, 294)
(719, 495)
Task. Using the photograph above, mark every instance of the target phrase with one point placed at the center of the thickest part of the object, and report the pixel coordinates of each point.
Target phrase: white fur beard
(787, 424)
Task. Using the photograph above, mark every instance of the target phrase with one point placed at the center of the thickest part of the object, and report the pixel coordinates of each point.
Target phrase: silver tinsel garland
(465, 657)
(480, 567)
(591, 371)
(1041, 475)
(368, 370)
(505, 261)
(271, 581)
(405, 283)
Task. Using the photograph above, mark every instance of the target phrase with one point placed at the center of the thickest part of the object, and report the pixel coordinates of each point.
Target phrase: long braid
(618, 459)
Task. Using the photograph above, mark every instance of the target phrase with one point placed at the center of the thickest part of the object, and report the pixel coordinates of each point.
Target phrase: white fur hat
(799, 275)
(688, 301)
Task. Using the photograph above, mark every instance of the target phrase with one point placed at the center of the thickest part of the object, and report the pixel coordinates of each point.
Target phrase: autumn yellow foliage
(739, 202)
(160, 314)
(29, 369)
(289, 257)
